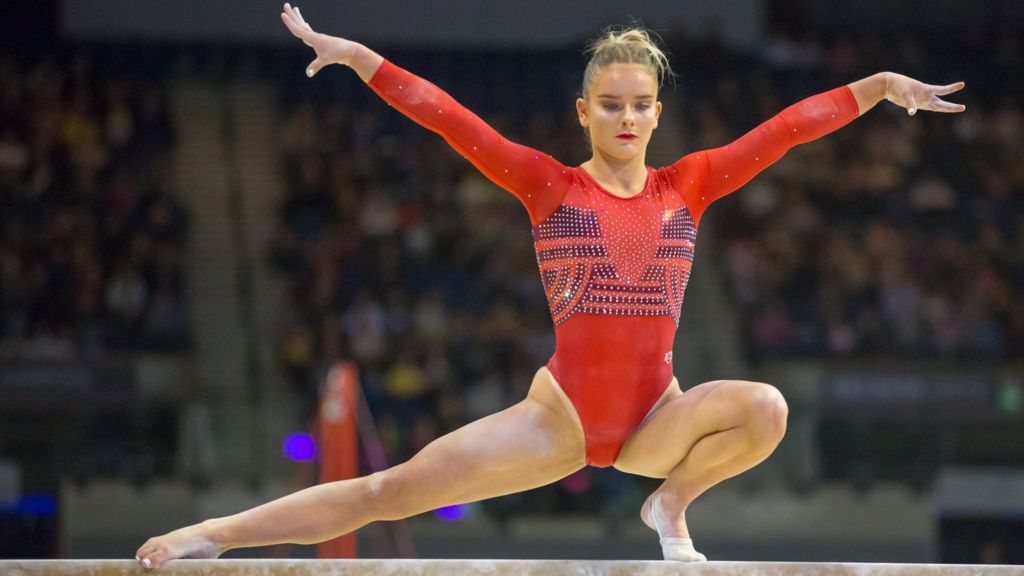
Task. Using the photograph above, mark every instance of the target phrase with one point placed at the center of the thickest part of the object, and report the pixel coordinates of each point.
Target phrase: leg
(533, 443)
(700, 438)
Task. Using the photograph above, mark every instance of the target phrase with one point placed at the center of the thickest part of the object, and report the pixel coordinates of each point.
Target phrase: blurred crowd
(91, 233)
(896, 235)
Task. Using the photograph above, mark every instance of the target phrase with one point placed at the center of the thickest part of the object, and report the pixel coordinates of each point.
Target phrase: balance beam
(501, 567)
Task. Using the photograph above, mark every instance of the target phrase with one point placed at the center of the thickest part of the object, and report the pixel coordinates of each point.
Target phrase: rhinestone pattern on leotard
(630, 257)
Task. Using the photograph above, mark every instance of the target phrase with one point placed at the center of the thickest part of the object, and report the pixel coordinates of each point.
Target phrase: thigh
(530, 444)
(666, 435)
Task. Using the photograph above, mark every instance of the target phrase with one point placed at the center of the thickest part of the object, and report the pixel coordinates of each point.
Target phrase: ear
(657, 112)
(582, 112)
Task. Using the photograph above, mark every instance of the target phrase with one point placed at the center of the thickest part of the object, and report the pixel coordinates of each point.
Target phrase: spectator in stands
(90, 235)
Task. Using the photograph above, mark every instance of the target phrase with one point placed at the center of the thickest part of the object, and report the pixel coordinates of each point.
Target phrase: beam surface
(500, 567)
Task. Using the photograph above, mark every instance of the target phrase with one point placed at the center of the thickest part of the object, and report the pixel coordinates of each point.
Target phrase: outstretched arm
(536, 179)
(707, 175)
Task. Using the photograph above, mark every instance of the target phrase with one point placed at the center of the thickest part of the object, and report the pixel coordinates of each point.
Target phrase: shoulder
(694, 161)
(577, 177)
(690, 167)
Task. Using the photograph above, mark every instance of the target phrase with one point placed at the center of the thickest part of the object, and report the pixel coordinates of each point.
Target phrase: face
(622, 99)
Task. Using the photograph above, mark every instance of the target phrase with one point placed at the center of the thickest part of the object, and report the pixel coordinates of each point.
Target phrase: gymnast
(614, 241)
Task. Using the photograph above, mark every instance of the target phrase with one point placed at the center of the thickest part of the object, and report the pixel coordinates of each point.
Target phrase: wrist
(365, 62)
(352, 58)
(886, 82)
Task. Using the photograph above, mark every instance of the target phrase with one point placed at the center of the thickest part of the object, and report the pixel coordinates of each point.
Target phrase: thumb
(314, 67)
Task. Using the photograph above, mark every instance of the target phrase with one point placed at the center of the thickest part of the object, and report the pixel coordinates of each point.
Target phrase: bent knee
(767, 413)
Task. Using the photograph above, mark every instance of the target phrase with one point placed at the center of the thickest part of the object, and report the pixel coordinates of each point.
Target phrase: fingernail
(136, 557)
(309, 72)
(146, 562)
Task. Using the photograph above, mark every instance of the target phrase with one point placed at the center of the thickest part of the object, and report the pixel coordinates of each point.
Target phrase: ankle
(217, 532)
(670, 501)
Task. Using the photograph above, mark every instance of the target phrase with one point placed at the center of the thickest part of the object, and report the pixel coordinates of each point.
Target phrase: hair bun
(628, 45)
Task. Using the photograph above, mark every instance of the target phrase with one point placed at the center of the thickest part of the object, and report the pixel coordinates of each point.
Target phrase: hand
(914, 95)
(329, 49)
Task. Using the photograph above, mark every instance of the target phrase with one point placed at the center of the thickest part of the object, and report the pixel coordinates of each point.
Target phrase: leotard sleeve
(539, 181)
(708, 175)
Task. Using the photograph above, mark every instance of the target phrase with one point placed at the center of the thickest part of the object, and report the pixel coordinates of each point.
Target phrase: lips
(626, 136)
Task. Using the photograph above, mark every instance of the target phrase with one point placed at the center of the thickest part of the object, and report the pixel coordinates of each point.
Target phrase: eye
(611, 106)
(642, 106)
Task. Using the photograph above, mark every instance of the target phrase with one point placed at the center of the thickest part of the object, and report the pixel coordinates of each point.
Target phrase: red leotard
(614, 268)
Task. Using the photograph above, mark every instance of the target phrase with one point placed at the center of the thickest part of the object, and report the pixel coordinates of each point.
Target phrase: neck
(625, 176)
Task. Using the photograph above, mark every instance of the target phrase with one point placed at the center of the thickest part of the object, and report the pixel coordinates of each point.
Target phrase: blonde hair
(629, 45)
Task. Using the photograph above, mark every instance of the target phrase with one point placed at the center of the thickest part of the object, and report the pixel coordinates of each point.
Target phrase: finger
(940, 105)
(296, 30)
(911, 103)
(314, 67)
(289, 22)
(949, 88)
(301, 19)
(291, 14)
(296, 16)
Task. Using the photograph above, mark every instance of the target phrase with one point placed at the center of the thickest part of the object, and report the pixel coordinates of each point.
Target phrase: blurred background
(192, 233)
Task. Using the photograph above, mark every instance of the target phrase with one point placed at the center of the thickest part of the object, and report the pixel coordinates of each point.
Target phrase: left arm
(707, 175)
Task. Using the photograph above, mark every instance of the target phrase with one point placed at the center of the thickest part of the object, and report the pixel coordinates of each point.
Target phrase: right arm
(536, 179)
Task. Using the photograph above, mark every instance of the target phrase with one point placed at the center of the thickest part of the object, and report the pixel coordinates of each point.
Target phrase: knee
(384, 494)
(767, 414)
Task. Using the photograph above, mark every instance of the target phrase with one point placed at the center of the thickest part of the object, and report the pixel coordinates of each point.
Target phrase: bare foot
(189, 542)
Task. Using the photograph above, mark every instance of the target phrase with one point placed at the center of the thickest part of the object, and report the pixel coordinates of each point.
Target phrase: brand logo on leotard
(668, 358)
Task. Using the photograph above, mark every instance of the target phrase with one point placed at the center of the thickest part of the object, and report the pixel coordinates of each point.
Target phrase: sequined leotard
(614, 268)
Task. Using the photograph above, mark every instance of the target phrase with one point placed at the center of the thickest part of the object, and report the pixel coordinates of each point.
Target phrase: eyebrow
(616, 97)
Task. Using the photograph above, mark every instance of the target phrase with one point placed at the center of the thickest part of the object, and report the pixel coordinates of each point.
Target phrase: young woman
(614, 241)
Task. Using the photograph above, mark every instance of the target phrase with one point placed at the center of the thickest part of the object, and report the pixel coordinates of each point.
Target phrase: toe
(155, 558)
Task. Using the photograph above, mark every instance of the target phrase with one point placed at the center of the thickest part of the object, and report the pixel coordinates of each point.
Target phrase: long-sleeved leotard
(614, 269)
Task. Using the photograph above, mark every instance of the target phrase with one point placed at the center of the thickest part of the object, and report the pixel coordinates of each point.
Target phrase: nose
(628, 116)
